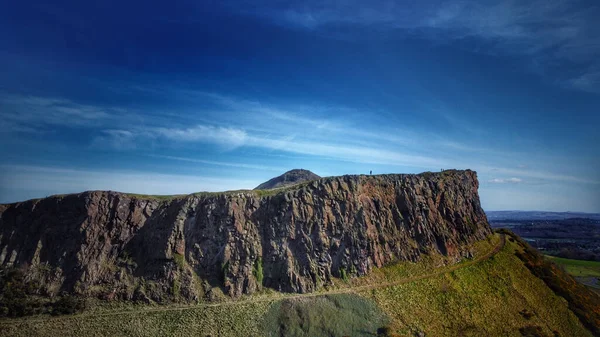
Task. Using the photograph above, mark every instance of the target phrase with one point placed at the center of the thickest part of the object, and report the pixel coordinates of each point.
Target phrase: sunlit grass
(578, 268)
(491, 298)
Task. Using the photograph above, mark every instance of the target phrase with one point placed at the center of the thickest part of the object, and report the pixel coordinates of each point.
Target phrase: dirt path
(354, 289)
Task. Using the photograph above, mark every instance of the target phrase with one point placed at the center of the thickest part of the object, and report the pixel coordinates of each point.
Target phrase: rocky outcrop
(289, 178)
(293, 240)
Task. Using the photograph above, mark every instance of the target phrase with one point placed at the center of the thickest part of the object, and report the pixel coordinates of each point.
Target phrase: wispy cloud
(588, 81)
(505, 180)
(360, 154)
(115, 139)
(29, 111)
(124, 139)
(228, 137)
(537, 24)
(221, 163)
(314, 121)
(551, 32)
(233, 138)
(274, 129)
(539, 175)
(271, 129)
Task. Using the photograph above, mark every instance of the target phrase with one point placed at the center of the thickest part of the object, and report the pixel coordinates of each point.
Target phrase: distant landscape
(538, 215)
(569, 239)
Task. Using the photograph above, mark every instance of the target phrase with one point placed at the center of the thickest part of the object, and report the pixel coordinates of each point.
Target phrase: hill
(398, 254)
(289, 178)
(184, 249)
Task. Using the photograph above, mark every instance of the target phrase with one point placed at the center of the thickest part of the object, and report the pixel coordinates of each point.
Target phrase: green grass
(333, 315)
(257, 270)
(233, 320)
(491, 298)
(179, 260)
(578, 268)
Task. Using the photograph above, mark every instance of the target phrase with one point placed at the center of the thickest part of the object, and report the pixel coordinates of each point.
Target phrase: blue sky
(186, 96)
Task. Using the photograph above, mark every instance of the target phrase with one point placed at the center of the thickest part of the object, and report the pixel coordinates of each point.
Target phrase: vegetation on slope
(240, 319)
(496, 297)
(19, 297)
(581, 300)
(330, 315)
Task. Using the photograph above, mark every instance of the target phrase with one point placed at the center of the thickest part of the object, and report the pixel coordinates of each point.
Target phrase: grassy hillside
(581, 300)
(497, 296)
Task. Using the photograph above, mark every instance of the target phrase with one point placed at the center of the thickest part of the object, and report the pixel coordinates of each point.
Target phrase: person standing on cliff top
(370, 172)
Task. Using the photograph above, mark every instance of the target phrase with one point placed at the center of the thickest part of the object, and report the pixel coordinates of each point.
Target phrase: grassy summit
(289, 178)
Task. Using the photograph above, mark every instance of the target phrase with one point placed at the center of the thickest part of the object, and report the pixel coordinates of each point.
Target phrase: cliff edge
(293, 239)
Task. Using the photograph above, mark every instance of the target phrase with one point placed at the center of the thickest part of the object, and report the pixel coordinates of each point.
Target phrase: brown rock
(144, 248)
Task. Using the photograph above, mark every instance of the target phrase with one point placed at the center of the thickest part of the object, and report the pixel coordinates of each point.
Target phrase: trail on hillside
(354, 289)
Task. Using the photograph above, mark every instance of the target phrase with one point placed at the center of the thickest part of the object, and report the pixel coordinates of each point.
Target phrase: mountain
(292, 177)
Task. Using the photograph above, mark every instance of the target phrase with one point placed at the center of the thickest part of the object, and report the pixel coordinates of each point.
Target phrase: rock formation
(187, 247)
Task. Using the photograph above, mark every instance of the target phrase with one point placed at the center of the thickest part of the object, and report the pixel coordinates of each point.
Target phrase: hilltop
(287, 179)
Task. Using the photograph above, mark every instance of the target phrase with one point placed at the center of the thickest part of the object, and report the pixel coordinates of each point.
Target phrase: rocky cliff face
(112, 244)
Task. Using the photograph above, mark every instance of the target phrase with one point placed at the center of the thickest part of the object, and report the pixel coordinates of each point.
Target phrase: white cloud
(228, 137)
(505, 181)
(231, 138)
(120, 139)
(28, 111)
(361, 154)
(307, 120)
(541, 175)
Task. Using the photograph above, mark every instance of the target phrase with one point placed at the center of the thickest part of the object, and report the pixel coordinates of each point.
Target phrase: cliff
(188, 247)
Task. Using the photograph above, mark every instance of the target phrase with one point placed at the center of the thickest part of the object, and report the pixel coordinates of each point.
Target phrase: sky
(185, 96)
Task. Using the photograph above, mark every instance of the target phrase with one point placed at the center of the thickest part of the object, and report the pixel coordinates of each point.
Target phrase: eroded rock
(192, 247)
